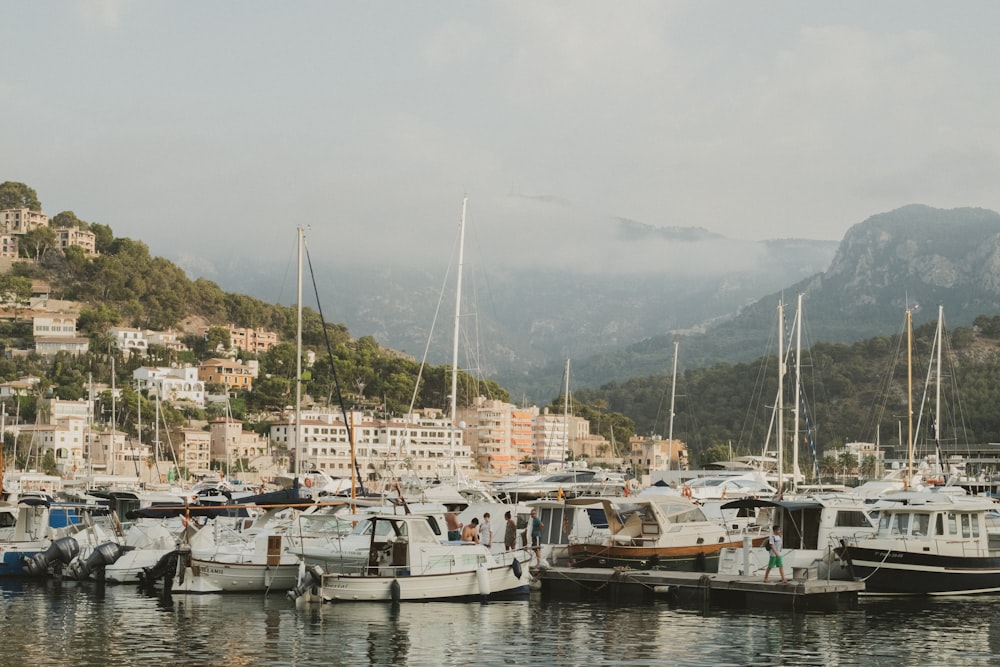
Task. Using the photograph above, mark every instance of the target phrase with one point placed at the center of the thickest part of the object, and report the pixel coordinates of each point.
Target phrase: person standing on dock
(774, 551)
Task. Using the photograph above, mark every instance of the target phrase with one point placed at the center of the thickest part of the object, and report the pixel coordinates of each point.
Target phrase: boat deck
(699, 588)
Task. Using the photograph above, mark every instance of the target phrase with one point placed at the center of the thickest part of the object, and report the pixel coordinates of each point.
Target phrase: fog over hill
(523, 316)
(914, 257)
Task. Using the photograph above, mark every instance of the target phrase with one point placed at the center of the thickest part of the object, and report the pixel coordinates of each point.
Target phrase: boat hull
(501, 581)
(677, 559)
(224, 577)
(11, 563)
(893, 572)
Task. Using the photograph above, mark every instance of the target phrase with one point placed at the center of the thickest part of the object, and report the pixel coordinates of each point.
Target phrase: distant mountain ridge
(915, 256)
(529, 317)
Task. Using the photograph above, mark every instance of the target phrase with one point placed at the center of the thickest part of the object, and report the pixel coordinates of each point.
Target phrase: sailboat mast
(937, 390)
(798, 389)
(909, 397)
(114, 421)
(780, 408)
(670, 429)
(454, 349)
(565, 447)
(298, 358)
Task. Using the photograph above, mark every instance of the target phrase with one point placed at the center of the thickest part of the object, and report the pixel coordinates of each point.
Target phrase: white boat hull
(241, 577)
(500, 580)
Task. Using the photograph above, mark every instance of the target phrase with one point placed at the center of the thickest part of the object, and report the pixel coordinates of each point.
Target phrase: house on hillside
(230, 373)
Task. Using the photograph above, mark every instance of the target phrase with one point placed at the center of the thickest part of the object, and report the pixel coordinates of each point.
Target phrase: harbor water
(68, 623)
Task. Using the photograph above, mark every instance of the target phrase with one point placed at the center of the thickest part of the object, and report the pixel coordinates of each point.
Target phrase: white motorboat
(411, 563)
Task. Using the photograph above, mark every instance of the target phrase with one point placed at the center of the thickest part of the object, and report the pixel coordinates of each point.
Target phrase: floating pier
(701, 588)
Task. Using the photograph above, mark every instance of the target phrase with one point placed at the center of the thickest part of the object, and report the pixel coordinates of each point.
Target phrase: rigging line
(437, 311)
(333, 368)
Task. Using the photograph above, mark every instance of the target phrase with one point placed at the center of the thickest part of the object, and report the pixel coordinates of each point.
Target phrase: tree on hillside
(103, 237)
(37, 242)
(67, 219)
(18, 195)
(15, 290)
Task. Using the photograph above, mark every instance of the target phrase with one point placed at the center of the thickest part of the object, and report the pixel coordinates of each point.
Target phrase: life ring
(309, 481)
(686, 491)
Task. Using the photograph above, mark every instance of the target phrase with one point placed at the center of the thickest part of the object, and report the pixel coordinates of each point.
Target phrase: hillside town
(488, 438)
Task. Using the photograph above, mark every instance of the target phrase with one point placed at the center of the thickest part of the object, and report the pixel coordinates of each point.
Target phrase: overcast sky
(195, 125)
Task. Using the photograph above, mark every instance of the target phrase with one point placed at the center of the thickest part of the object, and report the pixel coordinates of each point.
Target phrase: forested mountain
(850, 392)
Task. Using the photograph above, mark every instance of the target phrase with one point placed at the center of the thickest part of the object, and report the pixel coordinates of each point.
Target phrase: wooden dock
(700, 588)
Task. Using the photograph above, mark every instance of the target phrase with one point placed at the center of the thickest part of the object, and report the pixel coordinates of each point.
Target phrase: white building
(421, 443)
(171, 384)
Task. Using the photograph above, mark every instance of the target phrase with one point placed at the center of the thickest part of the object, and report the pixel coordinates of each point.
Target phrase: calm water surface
(67, 623)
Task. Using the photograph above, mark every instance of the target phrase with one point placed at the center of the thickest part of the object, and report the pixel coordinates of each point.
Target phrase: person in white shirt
(486, 531)
(774, 551)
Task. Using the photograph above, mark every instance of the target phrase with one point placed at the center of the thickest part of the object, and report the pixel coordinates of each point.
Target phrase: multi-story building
(556, 435)
(165, 339)
(129, 340)
(9, 246)
(651, 455)
(21, 220)
(65, 437)
(422, 443)
(48, 347)
(195, 451)
(53, 326)
(232, 444)
(227, 372)
(57, 333)
(252, 340)
(500, 434)
(171, 384)
(80, 238)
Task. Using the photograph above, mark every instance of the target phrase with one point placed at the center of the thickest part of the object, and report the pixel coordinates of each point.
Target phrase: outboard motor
(166, 567)
(102, 556)
(310, 578)
(60, 552)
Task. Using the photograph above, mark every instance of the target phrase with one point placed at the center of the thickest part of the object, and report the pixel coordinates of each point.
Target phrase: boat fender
(483, 577)
(394, 591)
(516, 567)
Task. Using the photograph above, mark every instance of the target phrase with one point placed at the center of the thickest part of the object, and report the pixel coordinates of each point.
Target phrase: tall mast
(798, 390)
(781, 388)
(298, 357)
(909, 397)
(114, 421)
(937, 398)
(565, 447)
(454, 349)
(670, 430)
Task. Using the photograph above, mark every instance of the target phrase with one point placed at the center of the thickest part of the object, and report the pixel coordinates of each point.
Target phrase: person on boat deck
(510, 533)
(471, 532)
(536, 537)
(774, 549)
(486, 531)
(454, 527)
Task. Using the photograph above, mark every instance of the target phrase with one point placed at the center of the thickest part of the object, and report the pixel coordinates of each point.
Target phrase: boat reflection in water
(76, 623)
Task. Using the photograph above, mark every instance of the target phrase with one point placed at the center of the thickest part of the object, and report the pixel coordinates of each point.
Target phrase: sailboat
(928, 542)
